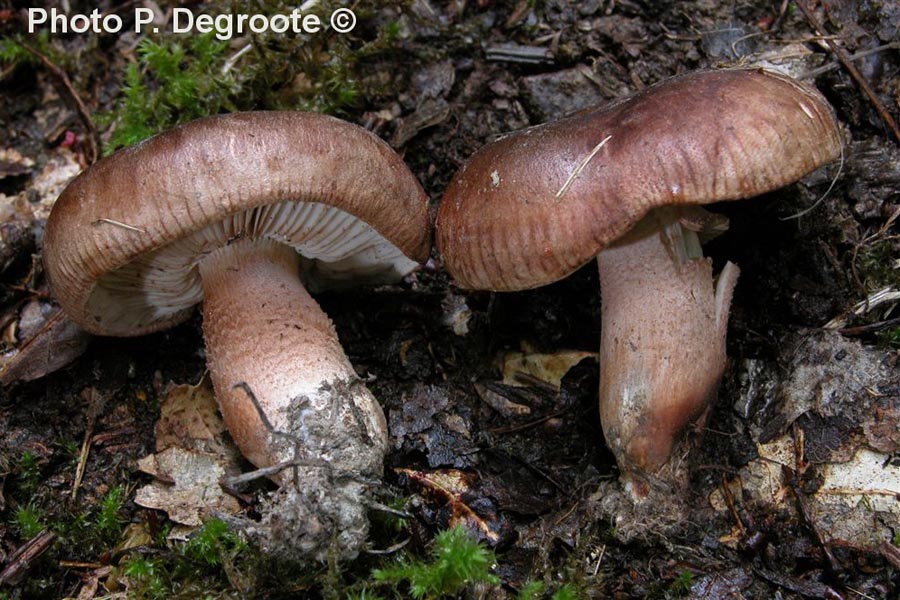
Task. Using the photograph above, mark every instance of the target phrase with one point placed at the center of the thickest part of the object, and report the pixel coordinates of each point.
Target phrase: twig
(832, 564)
(529, 55)
(390, 549)
(93, 137)
(732, 508)
(870, 327)
(295, 462)
(599, 560)
(79, 564)
(24, 557)
(878, 298)
(232, 60)
(238, 480)
(567, 514)
(529, 424)
(813, 73)
(96, 402)
(891, 553)
(387, 509)
(845, 60)
(806, 589)
(782, 11)
(531, 380)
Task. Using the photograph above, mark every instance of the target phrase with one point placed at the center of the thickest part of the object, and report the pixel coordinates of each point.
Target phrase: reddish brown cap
(534, 206)
(124, 238)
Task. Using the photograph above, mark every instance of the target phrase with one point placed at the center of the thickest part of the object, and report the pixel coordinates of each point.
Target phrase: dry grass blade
(847, 62)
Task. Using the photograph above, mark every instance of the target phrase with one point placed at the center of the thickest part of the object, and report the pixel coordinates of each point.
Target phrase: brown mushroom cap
(534, 206)
(122, 243)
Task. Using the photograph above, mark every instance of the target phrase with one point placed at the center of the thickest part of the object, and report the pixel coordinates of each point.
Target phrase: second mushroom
(620, 183)
(235, 211)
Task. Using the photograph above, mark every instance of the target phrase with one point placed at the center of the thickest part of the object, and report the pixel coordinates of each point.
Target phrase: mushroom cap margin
(144, 197)
(533, 206)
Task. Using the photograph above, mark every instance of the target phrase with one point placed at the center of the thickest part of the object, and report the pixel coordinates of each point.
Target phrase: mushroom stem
(267, 337)
(662, 344)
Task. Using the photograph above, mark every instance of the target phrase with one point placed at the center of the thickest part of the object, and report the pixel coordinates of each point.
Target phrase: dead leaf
(135, 536)
(883, 432)
(62, 166)
(13, 164)
(417, 413)
(852, 497)
(192, 457)
(188, 487)
(189, 418)
(501, 403)
(430, 113)
(455, 489)
(16, 240)
(92, 582)
(54, 345)
(549, 368)
(722, 585)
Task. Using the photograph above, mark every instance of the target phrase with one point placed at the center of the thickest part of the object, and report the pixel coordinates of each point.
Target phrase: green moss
(876, 268)
(364, 595)
(170, 84)
(178, 78)
(28, 473)
(391, 31)
(457, 561)
(535, 590)
(109, 521)
(12, 51)
(334, 89)
(682, 584)
(175, 81)
(214, 544)
(532, 590)
(876, 265)
(567, 592)
(29, 521)
(206, 566)
(71, 450)
(890, 338)
(147, 578)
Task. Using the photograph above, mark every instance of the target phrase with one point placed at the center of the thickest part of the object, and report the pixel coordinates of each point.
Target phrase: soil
(539, 488)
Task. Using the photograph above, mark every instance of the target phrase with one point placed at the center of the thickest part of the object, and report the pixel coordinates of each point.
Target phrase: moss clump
(175, 81)
(890, 338)
(28, 473)
(170, 84)
(535, 590)
(13, 52)
(29, 521)
(876, 264)
(457, 562)
(205, 566)
(214, 544)
(109, 519)
(682, 584)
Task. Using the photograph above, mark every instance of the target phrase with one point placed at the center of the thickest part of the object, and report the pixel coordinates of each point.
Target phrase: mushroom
(622, 183)
(234, 211)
